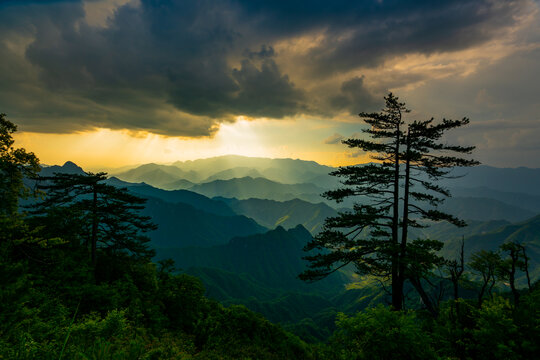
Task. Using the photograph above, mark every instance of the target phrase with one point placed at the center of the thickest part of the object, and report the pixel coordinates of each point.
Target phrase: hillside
(521, 179)
(518, 199)
(198, 201)
(273, 259)
(484, 209)
(248, 187)
(288, 214)
(156, 174)
(181, 225)
(525, 232)
(287, 171)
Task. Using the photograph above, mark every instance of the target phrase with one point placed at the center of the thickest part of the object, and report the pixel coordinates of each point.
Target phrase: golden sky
(105, 148)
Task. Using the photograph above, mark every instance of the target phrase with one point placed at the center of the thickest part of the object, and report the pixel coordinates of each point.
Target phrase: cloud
(356, 154)
(334, 139)
(182, 68)
(501, 101)
(354, 97)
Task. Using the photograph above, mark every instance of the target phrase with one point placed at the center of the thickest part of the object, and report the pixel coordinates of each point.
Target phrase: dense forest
(79, 279)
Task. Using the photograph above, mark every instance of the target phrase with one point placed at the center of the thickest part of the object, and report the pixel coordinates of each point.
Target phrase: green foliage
(495, 333)
(15, 164)
(379, 333)
(396, 192)
(237, 333)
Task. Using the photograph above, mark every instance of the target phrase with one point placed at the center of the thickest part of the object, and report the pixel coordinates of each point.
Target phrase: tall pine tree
(397, 191)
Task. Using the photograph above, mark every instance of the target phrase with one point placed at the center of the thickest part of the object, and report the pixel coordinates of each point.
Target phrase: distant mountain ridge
(261, 188)
(194, 199)
(520, 179)
(518, 199)
(184, 218)
(68, 168)
(286, 171)
(288, 214)
(484, 209)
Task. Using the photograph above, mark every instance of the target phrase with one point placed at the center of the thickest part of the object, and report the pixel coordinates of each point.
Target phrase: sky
(109, 83)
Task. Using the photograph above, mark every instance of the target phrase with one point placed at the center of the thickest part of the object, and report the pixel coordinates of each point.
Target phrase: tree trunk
(526, 266)
(405, 224)
(94, 227)
(512, 277)
(483, 290)
(397, 281)
(416, 282)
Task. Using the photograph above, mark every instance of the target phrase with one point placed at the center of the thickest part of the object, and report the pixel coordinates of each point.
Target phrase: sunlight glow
(107, 149)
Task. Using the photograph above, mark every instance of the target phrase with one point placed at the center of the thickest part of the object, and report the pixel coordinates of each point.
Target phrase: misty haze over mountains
(498, 193)
(240, 224)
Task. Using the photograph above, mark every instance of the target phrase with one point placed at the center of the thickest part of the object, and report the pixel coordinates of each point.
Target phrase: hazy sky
(116, 82)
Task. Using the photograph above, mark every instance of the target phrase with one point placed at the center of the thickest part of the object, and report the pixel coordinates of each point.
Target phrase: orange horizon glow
(109, 149)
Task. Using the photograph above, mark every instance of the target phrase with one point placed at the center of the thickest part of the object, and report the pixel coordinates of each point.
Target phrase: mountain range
(288, 214)
(240, 225)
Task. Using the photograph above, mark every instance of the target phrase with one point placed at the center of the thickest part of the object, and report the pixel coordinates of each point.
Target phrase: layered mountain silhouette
(184, 218)
(521, 179)
(287, 214)
(68, 168)
(196, 200)
(519, 199)
(247, 187)
(484, 209)
(286, 171)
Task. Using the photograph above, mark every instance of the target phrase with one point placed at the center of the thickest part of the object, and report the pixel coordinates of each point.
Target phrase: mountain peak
(69, 165)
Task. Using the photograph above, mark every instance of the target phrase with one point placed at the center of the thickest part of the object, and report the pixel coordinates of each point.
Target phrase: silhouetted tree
(15, 165)
(486, 263)
(456, 267)
(96, 213)
(406, 156)
(525, 258)
(517, 260)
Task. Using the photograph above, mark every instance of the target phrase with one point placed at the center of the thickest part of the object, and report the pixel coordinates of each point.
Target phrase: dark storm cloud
(354, 95)
(182, 67)
(366, 32)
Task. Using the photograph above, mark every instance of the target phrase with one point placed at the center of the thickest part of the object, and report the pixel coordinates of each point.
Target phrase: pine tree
(15, 165)
(95, 214)
(374, 235)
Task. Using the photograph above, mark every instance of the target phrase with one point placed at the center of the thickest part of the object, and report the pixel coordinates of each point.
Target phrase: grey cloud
(183, 67)
(334, 139)
(501, 100)
(364, 33)
(147, 58)
(264, 52)
(354, 97)
(355, 154)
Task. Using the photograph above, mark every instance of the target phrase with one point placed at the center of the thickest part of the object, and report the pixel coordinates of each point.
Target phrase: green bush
(380, 333)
